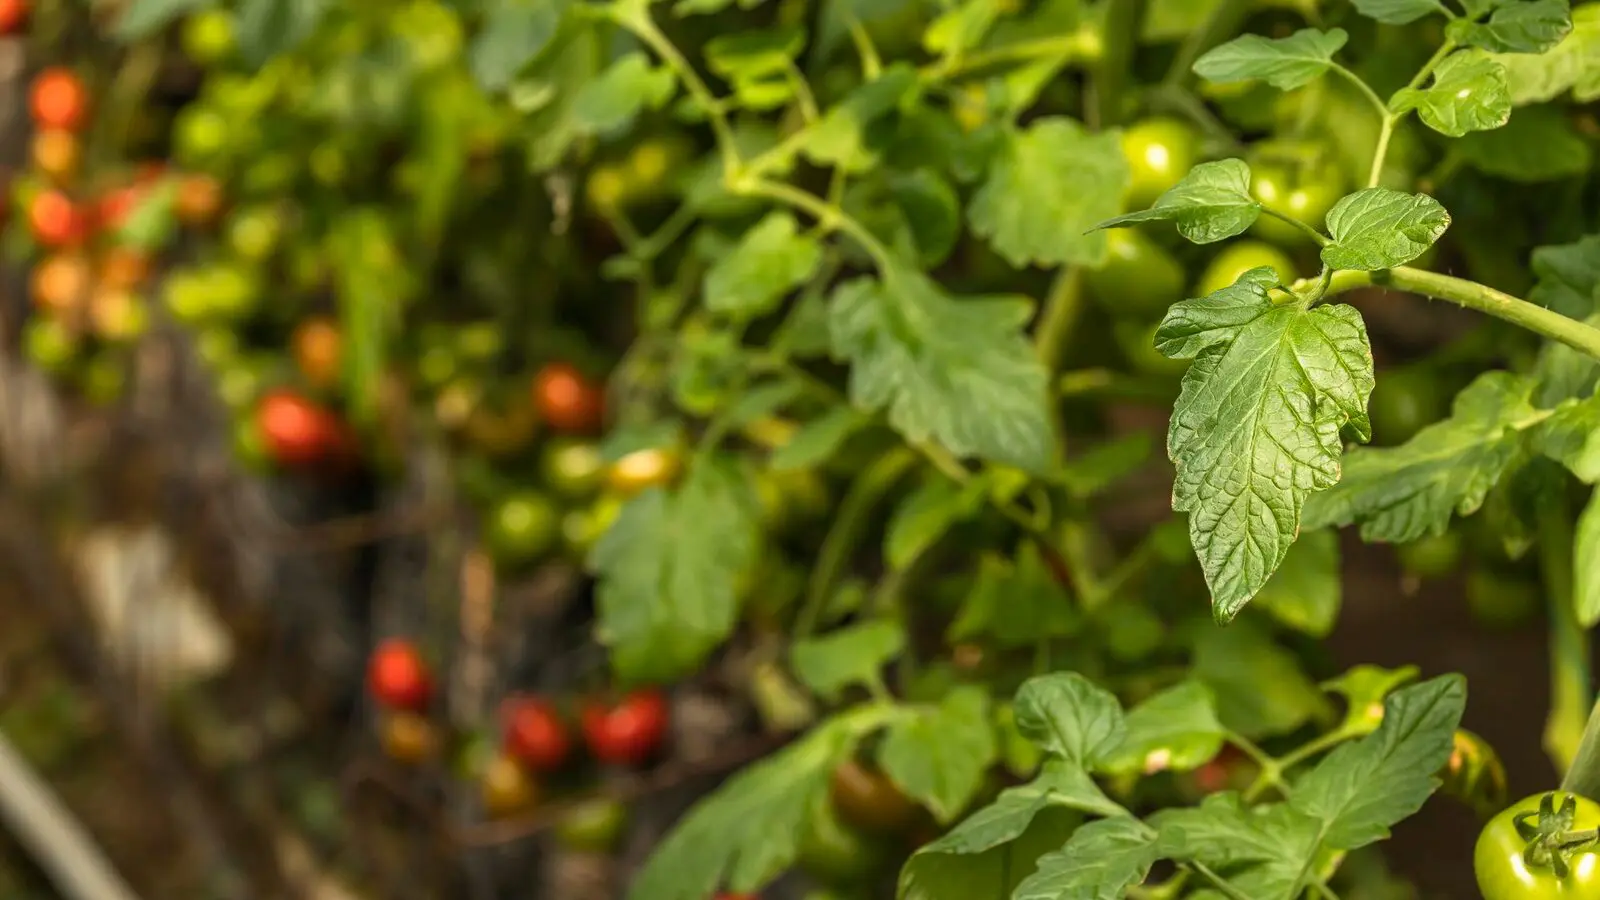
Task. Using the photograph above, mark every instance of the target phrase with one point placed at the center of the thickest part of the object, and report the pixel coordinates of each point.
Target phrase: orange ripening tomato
(567, 400)
(56, 152)
(199, 200)
(124, 267)
(59, 100)
(61, 283)
(316, 345)
(56, 220)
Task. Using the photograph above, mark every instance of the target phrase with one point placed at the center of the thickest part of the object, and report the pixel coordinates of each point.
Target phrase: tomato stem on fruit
(1577, 335)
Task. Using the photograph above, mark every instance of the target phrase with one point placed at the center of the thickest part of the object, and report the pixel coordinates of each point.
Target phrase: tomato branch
(1577, 335)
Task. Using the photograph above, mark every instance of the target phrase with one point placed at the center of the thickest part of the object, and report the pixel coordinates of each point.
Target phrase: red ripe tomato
(397, 675)
(13, 13)
(59, 100)
(534, 733)
(56, 220)
(298, 431)
(628, 733)
(566, 399)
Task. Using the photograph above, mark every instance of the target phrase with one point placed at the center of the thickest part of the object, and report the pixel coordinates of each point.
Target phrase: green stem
(1223, 886)
(1577, 335)
(1386, 123)
(1122, 24)
(1060, 313)
(1069, 47)
(828, 216)
(845, 533)
(1225, 19)
(871, 62)
(1569, 652)
(1583, 777)
(802, 92)
(644, 28)
(1314, 234)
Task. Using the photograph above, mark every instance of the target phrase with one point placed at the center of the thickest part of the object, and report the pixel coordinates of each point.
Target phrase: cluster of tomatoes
(535, 741)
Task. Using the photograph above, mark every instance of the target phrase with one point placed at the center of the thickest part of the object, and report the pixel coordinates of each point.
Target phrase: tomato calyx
(1549, 833)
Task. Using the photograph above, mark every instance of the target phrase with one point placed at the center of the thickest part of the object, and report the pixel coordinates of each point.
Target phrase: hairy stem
(1577, 335)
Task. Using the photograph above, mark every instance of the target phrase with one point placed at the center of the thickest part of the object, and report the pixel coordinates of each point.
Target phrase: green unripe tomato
(200, 136)
(50, 345)
(1403, 402)
(1240, 257)
(1139, 279)
(522, 528)
(1307, 198)
(1501, 600)
(253, 232)
(249, 447)
(208, 37)
(1504, 874)
(593, 826)
(572, 467)
(1431, 556)
(1160, 152)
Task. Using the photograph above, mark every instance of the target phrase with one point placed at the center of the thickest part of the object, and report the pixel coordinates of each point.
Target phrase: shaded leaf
(1397, 12)
(1259, 687)
(1538, 144)
(940, 755)
(771, 259)
(1285, 63)
(1524, 26)
(852, 655)
(1304, 593)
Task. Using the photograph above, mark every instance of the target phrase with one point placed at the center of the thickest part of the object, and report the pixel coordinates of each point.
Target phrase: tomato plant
(1527, 850)
(799, 361)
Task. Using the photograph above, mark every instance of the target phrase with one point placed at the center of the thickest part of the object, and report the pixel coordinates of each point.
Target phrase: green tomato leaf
(1072, 717)
(1176, 730)
(1259, 687)
(714, 845)
(1256, 427)
(1048, 187)
(267, 28)
(932, 212)
(668, 569)
(627, 87)
(513, 33)
(1586, 564)
(1378, 228)
(992, 850)
(1569, 283)
(1571, 437)
(1285, 63)
(958, 371)
(1399, 494)
(1397, 12)
(1362, 788)
(841, 138)
(771, 259)
(754, 53)
(1304, 593)
(1469, 93)
(960, 27)
(1211, 203)
(1519, 27)
(1015, 604)
(819, 439)
(1224, 832)
(853, 655)
(143, 18)
(1538, 144)
(940, 755)
(1571, 65)
(923, 517)
(1101, 862)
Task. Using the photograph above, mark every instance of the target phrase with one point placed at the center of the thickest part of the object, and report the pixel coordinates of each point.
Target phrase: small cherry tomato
(866, 799)
(59, 100)
(642, 469)
(407, 737)
(397, 676)
(56, 220)
(572, 467)
(1405, 401)
(593, 826)
(1306, 197)
(1474, 774)
(502, 432)
(522, 528)
(199, 200)
(200, 135)
(1240, 257)
(253, 233)
(124, 267)
(50, 344)
(297, 431)
(56, 152)
(316, 346)
(60, 283)
(567, 400)
(208, 36)
(1507, 869)
(13, 15)
(1502, 600)
(1139, 278)
(606, 188)
(1431, 556)
(628, 733)
(533, 733)
(506, 788)
(117, 314)
(1160, 152)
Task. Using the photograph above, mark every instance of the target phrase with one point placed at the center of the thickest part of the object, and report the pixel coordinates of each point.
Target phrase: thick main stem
(1569, 651)
(1577, 335)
